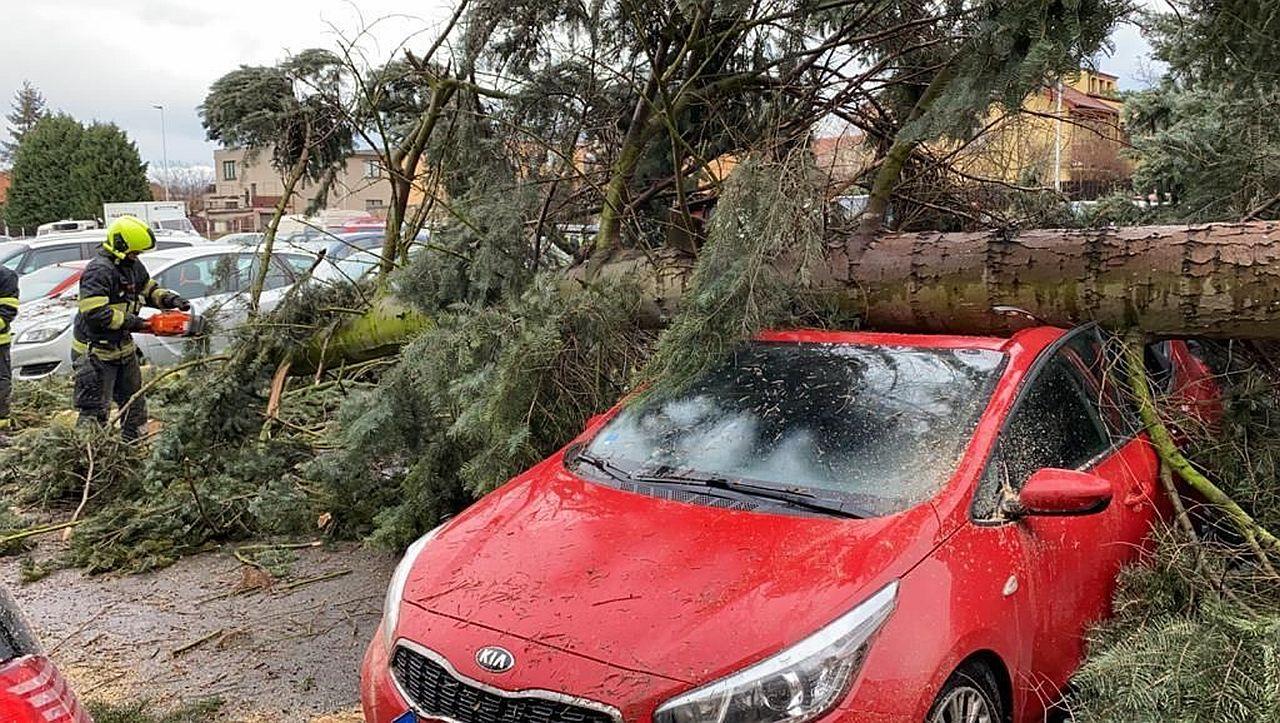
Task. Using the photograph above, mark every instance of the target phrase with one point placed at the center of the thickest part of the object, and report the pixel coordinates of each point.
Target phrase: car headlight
(395, 591)
(798, 684)
(40, 334)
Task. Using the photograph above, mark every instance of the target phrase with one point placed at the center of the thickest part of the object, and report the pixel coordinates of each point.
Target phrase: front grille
(37, 370)
(434, 691)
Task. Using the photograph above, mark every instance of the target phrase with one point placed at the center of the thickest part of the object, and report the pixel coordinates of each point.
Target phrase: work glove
(181, 304)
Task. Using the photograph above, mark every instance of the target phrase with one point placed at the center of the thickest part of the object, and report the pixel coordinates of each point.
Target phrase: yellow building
(1068, 136)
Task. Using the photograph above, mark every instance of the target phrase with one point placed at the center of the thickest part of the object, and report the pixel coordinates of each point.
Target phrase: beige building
(1069, 136)
(246, 190)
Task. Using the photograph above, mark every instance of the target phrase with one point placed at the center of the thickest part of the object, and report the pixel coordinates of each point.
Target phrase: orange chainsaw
(174, 323)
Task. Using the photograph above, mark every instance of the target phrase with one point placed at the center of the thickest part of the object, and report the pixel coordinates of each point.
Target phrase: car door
(208, 282)
(230, 309)
(281, 275)
(1069, 416)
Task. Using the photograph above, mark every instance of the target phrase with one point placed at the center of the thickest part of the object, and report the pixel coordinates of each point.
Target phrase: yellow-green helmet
(128, 234)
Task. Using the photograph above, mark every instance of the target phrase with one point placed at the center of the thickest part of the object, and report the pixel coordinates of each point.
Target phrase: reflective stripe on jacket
(112, 292)
(8, 303)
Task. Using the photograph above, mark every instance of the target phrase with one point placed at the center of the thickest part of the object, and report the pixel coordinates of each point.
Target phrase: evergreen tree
(1208, 135)
(107, 168)
(63, 170)
(28, 109)
(42, 187)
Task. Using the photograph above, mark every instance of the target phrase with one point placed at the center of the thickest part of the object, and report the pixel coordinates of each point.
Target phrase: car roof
(64, 236)
(1024, 342)
(183, 253)
(208, 249)
(97, 235)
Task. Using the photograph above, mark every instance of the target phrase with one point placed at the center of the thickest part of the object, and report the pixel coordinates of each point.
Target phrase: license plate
(408, 717)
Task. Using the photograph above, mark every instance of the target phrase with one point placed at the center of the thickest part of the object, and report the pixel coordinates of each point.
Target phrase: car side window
(1056, 424)
(40, 258)
(1099, 362)
(197, 278)
(247, 270)
(297, 263)
(278, 275)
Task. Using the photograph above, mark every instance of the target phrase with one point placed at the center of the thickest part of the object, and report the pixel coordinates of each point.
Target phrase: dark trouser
(6, 383)
(99, 383)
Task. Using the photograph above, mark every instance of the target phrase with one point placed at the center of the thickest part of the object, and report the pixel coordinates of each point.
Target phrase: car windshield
(11, 253)
(880, 426)
(40, 282)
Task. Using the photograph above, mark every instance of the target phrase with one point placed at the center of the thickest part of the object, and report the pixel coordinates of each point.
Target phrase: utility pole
(164, 145)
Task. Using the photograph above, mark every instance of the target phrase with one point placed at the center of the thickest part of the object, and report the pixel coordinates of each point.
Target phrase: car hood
(686, 591)
(44, 312)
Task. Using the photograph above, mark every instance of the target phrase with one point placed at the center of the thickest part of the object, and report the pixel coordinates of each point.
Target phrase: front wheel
(970, 695)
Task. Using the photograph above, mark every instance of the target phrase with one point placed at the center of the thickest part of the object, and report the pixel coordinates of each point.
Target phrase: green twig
(33, 531)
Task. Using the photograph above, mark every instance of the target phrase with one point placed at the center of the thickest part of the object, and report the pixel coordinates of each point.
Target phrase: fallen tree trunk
(1215, 280)
(388, 325)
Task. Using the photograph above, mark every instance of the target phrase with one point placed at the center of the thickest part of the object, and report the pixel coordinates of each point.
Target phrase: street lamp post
(164, 146)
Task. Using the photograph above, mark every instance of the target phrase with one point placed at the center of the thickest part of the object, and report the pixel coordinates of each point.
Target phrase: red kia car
(828, 526)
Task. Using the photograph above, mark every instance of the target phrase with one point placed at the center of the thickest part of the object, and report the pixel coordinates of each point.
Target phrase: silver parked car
(214, 278)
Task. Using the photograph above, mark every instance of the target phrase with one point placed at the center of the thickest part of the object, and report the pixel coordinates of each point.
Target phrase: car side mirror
(1054, 492)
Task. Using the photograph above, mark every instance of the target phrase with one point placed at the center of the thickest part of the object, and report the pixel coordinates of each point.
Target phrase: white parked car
(350, 269)
(214, 278)
(28, 255)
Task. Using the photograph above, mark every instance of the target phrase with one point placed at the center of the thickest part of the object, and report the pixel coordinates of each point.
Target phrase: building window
(228, 170)
(372, 170)
(372, 204)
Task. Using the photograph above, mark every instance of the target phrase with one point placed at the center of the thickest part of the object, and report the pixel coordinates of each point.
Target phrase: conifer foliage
(64, 170)
(28, 109)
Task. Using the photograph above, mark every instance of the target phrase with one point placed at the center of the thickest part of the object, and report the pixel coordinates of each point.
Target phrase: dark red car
(829, 526)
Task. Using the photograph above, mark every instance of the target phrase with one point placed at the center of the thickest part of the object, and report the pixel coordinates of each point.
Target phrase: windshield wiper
(581, 455)
(803, 499)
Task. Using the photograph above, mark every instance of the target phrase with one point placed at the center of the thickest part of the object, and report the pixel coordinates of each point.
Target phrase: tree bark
(1215, 280)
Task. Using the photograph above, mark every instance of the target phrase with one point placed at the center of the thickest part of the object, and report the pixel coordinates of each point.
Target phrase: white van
(160, 215)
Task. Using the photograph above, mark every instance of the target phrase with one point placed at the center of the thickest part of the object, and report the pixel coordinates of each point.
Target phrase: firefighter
(114, 287)
(8, 312)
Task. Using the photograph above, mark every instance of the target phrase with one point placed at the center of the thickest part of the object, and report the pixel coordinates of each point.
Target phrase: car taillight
(33, 691)
(16, 710)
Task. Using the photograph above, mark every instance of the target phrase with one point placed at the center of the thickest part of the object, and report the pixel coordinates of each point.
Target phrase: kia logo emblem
(495, 659)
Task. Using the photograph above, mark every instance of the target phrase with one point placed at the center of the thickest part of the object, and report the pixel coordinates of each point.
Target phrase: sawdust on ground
(192, 631)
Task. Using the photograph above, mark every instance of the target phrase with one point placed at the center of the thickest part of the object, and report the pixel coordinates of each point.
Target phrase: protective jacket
(8, 303)
(112, 292)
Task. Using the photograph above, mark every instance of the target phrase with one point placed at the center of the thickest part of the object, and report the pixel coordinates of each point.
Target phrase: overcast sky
(112, 61)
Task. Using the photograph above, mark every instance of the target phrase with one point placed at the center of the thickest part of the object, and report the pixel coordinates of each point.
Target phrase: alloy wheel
(963, 704)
